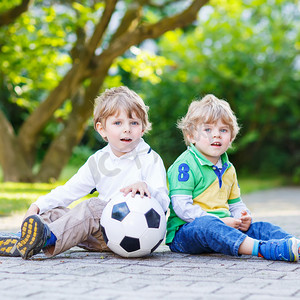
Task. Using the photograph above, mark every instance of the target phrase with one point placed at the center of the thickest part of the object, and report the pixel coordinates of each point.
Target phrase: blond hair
(208, 110)
(111, 101)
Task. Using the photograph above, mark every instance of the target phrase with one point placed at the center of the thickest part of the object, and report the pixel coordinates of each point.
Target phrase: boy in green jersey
(207, 213)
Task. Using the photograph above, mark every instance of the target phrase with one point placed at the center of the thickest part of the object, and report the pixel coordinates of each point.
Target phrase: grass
(17, 197)
(252, 184)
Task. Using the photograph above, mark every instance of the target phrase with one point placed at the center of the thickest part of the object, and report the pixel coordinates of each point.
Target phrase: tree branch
(164, 4)
(101, 27)
(9, 16)
(129, 21)
(118, 47)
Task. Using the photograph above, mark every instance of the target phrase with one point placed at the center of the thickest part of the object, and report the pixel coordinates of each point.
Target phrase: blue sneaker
(298, 247)
(34, 234)
(284, 249)
(8, 243)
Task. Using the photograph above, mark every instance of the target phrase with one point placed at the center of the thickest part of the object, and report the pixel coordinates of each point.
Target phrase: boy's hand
(138, 187)
(32, 210)
(231, 222)
(246, 221)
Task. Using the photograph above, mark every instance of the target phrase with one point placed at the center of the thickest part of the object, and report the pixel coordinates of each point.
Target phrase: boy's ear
(101, 130)
(190, 138)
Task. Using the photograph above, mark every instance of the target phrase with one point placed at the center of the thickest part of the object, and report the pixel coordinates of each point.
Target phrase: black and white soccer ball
(133, 227)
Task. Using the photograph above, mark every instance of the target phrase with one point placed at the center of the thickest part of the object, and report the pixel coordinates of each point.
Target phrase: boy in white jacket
(126, 164)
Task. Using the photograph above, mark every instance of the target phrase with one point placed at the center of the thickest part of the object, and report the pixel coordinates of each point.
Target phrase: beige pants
(79, 226)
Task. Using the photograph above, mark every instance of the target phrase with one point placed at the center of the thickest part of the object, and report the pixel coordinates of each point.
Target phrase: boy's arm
(184, 208)
(77, 187)
(236, 209)
(155, 178)
(236, 204)
(182, 183)
(32, 210)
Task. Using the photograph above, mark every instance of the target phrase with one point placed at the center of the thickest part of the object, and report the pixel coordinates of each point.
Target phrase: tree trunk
(61, 148)
(67, 88)
(12, 160)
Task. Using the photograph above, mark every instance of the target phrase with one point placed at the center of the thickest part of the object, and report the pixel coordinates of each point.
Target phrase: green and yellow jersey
(211, 188)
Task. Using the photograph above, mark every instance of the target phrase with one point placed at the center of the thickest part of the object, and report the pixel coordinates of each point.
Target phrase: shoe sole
(8, 246)
(31, 230)
(295, 249)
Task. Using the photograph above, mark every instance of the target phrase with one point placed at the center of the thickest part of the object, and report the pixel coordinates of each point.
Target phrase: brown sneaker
(8, 243)
(34, 234)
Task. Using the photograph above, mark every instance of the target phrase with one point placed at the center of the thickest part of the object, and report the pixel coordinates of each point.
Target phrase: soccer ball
(133, 226)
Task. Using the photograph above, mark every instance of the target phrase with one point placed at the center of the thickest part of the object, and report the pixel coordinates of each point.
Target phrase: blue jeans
(209, 234)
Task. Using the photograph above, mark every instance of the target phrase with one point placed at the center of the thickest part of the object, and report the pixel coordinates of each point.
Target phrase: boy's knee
(94, 205)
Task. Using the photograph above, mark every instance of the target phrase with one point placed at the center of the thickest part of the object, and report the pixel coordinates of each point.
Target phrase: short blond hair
(111, 101)
(208, 110)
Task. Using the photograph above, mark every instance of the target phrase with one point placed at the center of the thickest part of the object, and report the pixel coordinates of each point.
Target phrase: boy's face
(123, 133)
(212, 140)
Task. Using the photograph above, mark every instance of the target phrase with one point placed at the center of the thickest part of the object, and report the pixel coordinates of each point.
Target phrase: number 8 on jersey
(183, 172)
